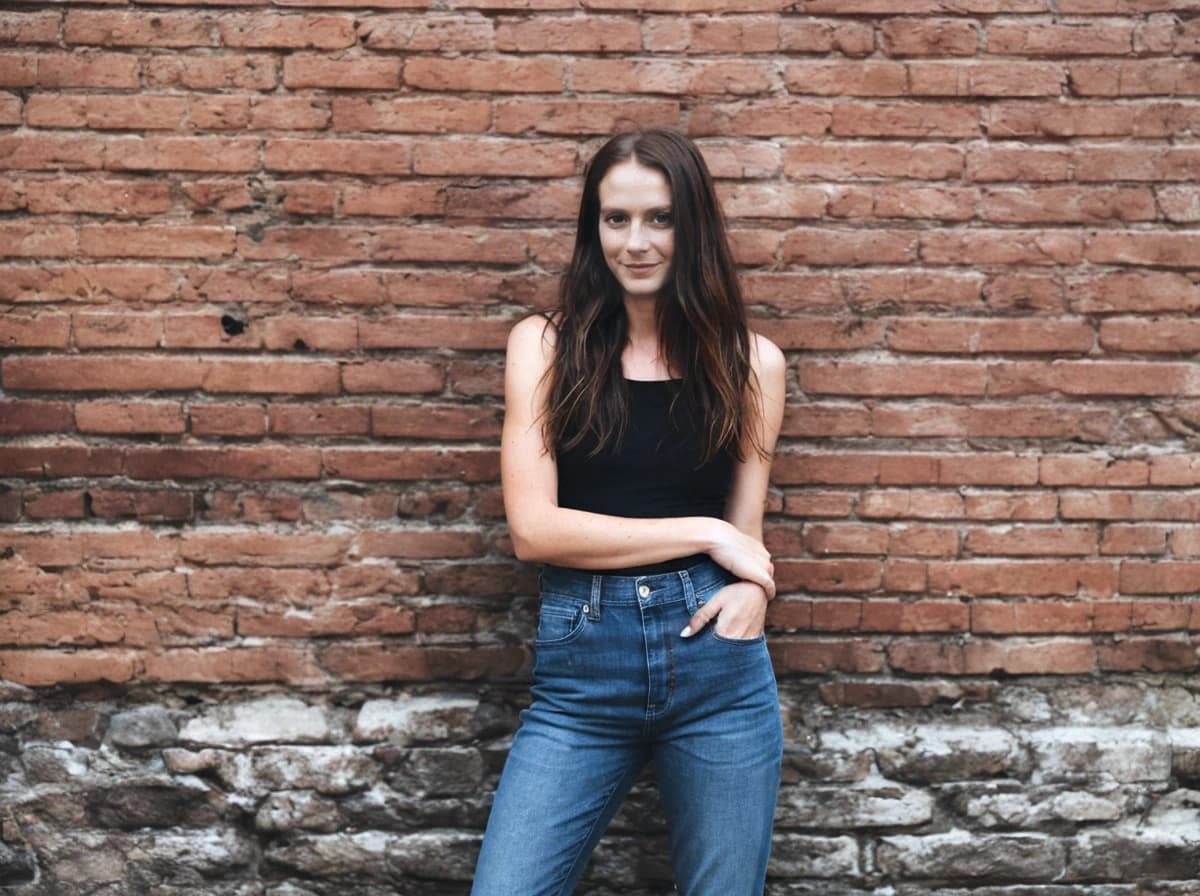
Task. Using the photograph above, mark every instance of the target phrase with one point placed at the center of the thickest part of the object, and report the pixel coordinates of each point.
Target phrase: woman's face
(637, 228)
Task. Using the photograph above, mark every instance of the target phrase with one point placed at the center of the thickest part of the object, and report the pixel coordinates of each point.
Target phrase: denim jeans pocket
(561, 619)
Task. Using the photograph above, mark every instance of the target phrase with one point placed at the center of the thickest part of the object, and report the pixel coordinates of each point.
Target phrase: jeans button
(643, 590)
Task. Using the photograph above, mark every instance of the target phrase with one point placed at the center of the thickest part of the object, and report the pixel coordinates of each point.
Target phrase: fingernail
(687, 632)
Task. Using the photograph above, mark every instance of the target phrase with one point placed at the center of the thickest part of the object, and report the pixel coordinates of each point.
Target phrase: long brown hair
(700, 312)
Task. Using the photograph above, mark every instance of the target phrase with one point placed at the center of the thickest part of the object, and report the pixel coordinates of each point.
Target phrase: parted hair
(700, 312)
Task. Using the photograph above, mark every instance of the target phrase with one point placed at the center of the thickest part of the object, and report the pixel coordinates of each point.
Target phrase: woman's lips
(641, 268)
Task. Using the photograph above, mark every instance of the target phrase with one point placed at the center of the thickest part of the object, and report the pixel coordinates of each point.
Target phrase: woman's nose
(637, 237)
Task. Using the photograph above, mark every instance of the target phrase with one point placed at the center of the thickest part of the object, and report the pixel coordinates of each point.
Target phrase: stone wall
(257, 266)
(1022, 788)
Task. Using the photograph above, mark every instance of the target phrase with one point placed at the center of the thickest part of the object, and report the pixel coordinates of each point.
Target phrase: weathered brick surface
(261, 633)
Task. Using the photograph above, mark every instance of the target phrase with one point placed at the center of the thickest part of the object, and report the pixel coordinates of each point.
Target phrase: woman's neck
(642, 358)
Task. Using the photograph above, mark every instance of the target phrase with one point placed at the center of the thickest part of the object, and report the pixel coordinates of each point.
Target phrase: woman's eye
(663, 219)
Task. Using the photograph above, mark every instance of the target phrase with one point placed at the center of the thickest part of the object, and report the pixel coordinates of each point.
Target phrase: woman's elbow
(524, 544)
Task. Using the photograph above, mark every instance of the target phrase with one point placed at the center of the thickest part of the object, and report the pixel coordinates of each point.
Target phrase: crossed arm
(542, 531)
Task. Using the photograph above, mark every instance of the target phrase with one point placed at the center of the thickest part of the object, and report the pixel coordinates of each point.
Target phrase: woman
(640, 419)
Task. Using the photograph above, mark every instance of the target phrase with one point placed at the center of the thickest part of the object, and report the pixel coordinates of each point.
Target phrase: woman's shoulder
(534, 335)
(765, 356)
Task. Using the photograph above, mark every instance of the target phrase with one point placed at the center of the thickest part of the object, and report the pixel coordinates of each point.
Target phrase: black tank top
(656, 471)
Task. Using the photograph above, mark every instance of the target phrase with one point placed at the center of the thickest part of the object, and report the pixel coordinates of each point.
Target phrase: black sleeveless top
(655, 471)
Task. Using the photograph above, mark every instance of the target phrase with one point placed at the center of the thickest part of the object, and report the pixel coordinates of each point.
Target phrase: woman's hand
(739, 608)
(744, 556)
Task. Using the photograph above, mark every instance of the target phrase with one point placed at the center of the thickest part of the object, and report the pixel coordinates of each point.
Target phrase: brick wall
(262, 634)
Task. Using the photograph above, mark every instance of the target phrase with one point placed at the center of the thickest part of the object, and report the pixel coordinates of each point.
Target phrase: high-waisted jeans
(614, 686)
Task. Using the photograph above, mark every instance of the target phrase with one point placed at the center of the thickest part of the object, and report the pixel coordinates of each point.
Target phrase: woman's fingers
(741, 608)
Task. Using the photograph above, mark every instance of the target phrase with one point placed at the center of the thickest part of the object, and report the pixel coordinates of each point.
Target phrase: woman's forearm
(586, 540)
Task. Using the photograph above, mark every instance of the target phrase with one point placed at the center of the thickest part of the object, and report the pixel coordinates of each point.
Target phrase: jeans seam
(591, 830)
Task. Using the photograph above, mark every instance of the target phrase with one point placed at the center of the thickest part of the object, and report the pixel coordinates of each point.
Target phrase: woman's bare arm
(741, 607)
(544, 532)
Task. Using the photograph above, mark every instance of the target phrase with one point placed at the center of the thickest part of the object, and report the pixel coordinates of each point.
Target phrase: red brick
(319, 419)
(227, 420)
(232, 154)
(283, 113)
(1134, 291)
(135, 240)
(1024, 577)
(240, 71)
(1089, 378)
(928, 37)
(309, 333)
(254, 548)
(54, 462)
(922, 541)
(583, 34)
(380, 73)
(1149, 655)
(1074, 204)
(86, 70)
(826, 420)
(1084, 38)
(520, 158)
(845, 538)
(124, 417)
(808, 655)
(39, 668)
(581, 116)
(1130, 505)
(19, 239)
(1025, 293)
(1135, 539)
(899, 379)
(915, 616)
(354, 619)
(427, 34)
(111, 28)
(771, 117)
(102, 330)
(106, 112)
(371, 464)
(1135, 247)
(875, 246)
(1010, 506)
(1032, 541)
(1045, 657)
(242, 664)
(145, 506)
(1104, 163)
(475, 332)
(393, 376)
(1165, 577)
(1185, 541)
(1084, 119)
(1031, 617)
(30, 28)
(419, 544)
(846, 78)
(101, 373)
(258, 29)
(267, 376)
(409, 115)
(504, 74)
(1136, 77)
(18, 417)
(46, 330)
(818, 504)
(930, 162)
(827, 575)
(672, 77)
(941, 335)
(226, 462)
(1101, 471)
(118, 198)
(368, 157)
(366, 662)
(987, 79)
(902, 503)
(474, 422)
(63, 504)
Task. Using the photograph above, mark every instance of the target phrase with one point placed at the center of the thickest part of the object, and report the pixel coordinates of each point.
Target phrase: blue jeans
(614, 686)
